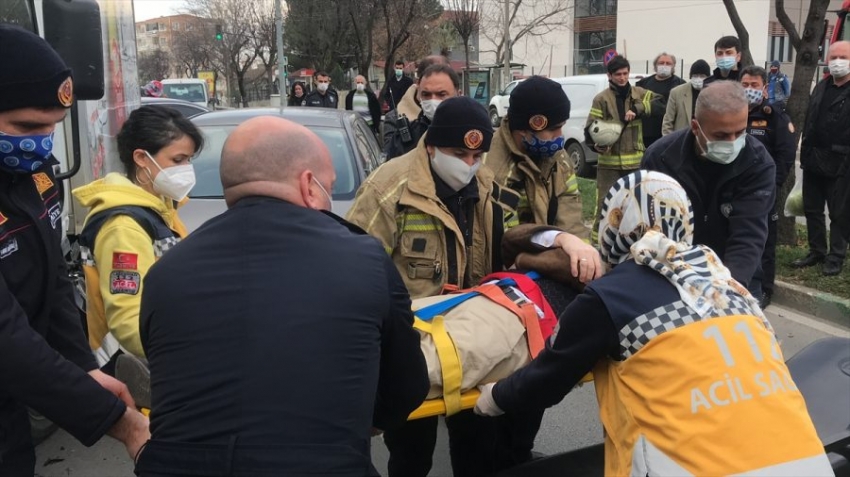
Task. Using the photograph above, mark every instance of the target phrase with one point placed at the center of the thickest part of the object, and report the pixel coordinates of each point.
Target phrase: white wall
(685, 28)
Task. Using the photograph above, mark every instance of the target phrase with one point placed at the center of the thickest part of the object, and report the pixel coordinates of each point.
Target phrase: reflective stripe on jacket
(548, 190)
(398, 204)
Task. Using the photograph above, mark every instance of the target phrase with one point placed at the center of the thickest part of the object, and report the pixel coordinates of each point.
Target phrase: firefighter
(440, 216)
(772, 127)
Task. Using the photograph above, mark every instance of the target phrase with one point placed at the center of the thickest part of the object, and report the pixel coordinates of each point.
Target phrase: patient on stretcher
(485, 333)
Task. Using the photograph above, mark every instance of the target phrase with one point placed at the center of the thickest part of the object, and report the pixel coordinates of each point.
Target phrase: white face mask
(429, 107)
(322, 87)
(723, 152)
(664, 71)
(453, 171)
(697, 82)
(839, 68)
(360, 87)
(173, 182)
(330, 200)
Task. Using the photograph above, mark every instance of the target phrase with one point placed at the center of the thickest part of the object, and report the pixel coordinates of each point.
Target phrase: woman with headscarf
(689, 376)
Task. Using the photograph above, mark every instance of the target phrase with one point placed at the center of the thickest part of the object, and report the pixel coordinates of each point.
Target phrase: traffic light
(218, 34)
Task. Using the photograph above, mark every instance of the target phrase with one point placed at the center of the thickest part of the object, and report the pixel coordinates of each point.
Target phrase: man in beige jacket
(680, 106)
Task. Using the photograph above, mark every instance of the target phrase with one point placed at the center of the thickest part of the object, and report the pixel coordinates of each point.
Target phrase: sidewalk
(810, 302)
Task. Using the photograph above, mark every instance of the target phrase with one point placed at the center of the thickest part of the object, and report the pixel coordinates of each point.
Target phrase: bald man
(825, 159)
(364, 101)
(728, 175)
(279, 336)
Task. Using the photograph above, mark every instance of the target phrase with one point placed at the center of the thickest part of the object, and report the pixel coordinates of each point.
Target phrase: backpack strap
(153, 224)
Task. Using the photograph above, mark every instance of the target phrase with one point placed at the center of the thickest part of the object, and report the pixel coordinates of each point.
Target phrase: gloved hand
(485, 405)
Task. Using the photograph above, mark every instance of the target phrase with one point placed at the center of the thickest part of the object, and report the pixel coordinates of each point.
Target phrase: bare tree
(153, 66)
(741, 30)
(399, 17)
(463, 15)
(526, 18)
(319, 31)
(363, 17)
(805, 68)
(264, 39)
(235, 53)
(192, 48)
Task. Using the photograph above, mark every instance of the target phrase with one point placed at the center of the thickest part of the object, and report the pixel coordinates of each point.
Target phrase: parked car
(187, 89)
(185, 108)
(581, 90)
(353, 146)
(499, 103)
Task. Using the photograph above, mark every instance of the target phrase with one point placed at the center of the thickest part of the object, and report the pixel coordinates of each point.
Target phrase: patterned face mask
(754, 96)
(24, 154)
(539, 149)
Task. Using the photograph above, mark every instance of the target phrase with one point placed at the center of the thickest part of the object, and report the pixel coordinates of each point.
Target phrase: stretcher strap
(526, 313)
(449, 361)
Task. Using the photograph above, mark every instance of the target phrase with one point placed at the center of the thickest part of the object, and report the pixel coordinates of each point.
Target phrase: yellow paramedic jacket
(627, 152)
(123, 253)
(550, 183)
(398, 204)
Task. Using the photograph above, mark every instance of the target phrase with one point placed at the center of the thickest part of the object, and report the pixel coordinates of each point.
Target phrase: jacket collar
(408, 105)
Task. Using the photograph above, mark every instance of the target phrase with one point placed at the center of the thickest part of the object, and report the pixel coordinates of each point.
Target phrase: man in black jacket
(397, 85)
(772, 127)
(825, 158)
(662, 82)
(324, 96)
(45, 361)
(284, 329)
(729, 177)
(727, 57)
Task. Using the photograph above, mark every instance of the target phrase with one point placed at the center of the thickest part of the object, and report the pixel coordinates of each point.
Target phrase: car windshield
(208, 182)
(186, 92)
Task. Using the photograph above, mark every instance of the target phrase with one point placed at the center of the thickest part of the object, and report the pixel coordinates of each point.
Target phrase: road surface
(571, 424)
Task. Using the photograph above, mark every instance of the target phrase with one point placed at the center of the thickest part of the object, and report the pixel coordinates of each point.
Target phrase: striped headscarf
(647, 217)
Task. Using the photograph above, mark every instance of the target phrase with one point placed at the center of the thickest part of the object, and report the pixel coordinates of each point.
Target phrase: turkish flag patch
(125, 261)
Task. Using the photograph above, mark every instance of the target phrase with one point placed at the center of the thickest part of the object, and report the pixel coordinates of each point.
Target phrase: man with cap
(778, 86)
(45, 361)
(440, 216)
(627, 106)
(528, 157)
(683, 99)
(662, 83)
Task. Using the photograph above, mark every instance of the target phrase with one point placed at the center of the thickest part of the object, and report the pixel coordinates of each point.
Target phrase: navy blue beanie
(536, 104)
(33, 75)
(460, 122)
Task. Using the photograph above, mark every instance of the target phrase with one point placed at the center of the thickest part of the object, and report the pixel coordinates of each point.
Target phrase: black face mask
(620, 90)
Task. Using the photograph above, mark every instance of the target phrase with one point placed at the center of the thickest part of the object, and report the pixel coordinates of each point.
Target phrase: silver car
(353, 146)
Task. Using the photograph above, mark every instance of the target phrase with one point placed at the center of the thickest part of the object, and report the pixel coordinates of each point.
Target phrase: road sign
(609, 55)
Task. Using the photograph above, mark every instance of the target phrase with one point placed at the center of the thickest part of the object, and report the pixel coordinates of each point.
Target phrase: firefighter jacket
(398, 204)
(43, 353)
(118, 245)
(548, 189)
(773, 128)
(627, 152)
(679, 393)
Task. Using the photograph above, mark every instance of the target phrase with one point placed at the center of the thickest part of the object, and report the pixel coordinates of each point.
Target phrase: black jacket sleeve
(375, 110)
(785, 148)
(66, 334)
(403, 383)
(752, 205)
(33, 373)
(586, 334)
(349, 101)
(393, 147)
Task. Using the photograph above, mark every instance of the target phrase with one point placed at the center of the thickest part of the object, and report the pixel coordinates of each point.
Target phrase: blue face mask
(24, 154)
(538, 149)
(726, 62)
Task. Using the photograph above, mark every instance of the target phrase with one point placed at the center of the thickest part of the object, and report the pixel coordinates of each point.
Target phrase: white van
(581, 90)
(188, 89)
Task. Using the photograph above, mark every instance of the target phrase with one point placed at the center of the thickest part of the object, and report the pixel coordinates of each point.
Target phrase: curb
(808, 301)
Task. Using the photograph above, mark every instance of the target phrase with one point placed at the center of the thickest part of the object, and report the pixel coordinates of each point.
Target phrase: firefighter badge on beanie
(66, 93)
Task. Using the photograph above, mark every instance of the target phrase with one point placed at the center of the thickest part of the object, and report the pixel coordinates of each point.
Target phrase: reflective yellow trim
(572, 184)
(389, 195)
(511, 220)
(597, 113)
(647, 103)
(623, 160)
(419, 222)
(449, 361)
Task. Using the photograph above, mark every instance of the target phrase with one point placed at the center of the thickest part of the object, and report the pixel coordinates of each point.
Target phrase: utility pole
(506, 56)
(281, 79)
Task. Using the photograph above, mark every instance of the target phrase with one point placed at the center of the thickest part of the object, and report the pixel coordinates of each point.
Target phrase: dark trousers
(819, 191)
(17, 456)
(515, 437)
(472, 444)
(765, 275)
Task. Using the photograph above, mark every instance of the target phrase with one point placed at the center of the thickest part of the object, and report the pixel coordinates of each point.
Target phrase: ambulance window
(18, 12)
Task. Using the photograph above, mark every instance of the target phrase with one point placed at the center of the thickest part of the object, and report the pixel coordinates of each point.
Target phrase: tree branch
(787, 24)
